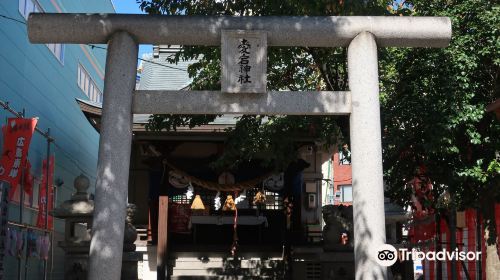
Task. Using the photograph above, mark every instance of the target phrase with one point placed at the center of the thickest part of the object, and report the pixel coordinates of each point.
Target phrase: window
(330, 194)
(31, 6)
(57, 50)
(88, 86)
(345, 193)
(274, 201)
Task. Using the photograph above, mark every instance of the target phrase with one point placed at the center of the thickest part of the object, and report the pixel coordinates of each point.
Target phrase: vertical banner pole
(47, 173)
(4, 217)
(21, 210)
(54, 200)
(21, 190)
(21, 200)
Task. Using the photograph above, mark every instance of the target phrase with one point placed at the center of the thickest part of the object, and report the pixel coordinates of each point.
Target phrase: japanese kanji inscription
(244, 61)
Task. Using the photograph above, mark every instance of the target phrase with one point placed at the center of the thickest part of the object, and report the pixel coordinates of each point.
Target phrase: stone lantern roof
(79, 205)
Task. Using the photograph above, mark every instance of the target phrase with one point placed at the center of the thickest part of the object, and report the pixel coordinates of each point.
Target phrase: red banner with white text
(17, 137)
(46, 202)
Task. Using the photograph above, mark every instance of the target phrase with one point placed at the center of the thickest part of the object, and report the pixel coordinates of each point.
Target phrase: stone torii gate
(123, 33)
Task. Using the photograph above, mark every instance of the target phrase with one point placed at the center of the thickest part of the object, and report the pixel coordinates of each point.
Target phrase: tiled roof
(161, 75)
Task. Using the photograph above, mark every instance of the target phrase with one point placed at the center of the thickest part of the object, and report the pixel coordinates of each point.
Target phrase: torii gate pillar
(123, 32)
(366, 156)
(115, 143)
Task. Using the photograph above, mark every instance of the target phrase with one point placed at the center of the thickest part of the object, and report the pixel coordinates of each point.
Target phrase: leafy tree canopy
(434, 106)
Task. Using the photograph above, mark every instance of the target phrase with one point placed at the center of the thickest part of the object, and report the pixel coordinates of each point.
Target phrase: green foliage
(434, 106)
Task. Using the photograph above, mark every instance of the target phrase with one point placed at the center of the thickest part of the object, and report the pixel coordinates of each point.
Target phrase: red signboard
(17, 137)
(45, 202)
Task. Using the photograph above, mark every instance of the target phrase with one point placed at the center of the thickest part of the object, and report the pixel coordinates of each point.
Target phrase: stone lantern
(77, 213)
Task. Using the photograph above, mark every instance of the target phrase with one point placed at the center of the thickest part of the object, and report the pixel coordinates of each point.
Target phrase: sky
(131, 7)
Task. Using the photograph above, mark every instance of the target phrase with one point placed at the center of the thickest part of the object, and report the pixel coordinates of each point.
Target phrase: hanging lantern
(275, 182)
(229, 204)
(197, 203)
(176, 180)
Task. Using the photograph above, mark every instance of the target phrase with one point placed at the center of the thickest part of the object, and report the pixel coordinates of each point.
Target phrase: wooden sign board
(244, 61)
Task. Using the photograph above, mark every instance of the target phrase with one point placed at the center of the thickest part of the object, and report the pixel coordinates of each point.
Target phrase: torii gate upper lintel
(123, 33)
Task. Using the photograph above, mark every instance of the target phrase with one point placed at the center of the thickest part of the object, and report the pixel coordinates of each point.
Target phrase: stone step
(211, 267)
(219, 272)
(189, 263)
(142, 233)
(219, 267)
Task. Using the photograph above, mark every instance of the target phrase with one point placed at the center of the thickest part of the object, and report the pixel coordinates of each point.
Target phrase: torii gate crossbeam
(123, 33)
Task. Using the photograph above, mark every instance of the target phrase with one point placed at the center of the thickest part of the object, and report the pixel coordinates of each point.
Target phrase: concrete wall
(32, 78)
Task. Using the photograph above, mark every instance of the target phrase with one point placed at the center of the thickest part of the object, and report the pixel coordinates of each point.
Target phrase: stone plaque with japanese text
(244, 61)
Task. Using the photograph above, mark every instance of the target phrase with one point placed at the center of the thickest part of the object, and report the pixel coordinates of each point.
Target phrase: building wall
(342, 176)
(33, 79)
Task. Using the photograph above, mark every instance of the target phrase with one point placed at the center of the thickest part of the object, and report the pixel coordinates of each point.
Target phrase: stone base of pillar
(76, 265)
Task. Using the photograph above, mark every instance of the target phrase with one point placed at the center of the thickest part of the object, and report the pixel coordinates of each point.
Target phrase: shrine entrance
(201, 232)
(243, 92)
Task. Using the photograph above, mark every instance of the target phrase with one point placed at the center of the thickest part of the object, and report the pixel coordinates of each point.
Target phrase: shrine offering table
(258, 221)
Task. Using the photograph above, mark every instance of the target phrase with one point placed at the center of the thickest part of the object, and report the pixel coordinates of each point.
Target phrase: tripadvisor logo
(387, 255)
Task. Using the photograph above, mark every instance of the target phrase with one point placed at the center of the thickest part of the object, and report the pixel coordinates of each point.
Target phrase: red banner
(46, 202)
(28, 179)
(17, 137)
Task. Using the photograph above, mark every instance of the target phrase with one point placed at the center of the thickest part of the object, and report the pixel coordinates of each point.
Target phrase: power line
(16, 20)
(157, 63)
(141, 59)
(103, 48)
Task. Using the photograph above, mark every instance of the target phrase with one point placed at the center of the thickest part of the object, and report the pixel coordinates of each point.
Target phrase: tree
(434, 114)
(272, 138)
